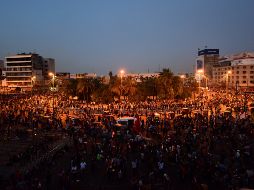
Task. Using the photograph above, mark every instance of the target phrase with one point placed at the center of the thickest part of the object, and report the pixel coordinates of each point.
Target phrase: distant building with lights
(48, 67)
(206, 60)
(138, 76)
(241, 69)
(1, 71)
(63, 75)
(83, 75)
(27, 69)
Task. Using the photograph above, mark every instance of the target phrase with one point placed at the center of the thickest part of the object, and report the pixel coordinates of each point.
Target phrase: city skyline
(98, 36)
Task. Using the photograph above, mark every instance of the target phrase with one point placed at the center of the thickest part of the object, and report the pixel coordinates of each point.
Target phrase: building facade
(63, 75)
(206, 60)
(1, 71)
(25, 70)
(236, 71)
(138, 76)
(48, 67)
(83, 75)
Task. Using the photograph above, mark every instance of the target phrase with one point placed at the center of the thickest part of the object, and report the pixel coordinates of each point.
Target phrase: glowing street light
(227, 75)
(182, 77)
(200, 71)
(33, 79)
(199, 74)
(121, 75)
(53, 89)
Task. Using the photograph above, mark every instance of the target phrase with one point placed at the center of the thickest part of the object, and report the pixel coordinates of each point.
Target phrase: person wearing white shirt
(83, 165)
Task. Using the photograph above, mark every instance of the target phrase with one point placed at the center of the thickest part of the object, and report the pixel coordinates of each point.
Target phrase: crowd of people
(170, 145)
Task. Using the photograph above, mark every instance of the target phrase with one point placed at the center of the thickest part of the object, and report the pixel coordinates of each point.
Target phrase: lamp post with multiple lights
(199, 74)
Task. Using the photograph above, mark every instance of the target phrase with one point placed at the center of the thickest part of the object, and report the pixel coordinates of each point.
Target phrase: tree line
(165, 86)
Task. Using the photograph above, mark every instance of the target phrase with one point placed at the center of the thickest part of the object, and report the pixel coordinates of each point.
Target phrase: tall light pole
(227, 75)
(200, 73)
(182, 77)
(53, 89)
(121, 75)
(53, 81)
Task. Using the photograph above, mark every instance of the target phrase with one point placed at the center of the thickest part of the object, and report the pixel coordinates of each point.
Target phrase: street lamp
(227, 75)
(53, 89)
(182, 77)
(33, 78)
(200, 73)
(121, 75)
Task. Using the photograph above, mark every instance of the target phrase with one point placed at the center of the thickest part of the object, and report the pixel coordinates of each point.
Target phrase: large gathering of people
(206, 143)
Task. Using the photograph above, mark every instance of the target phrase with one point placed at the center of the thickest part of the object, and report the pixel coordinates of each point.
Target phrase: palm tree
(165, 83)
(177, 86)
(115, 86)
(129, 87)
(147, 88)
(191, 87)
(84, 88)
(103, 94)
(69, 87)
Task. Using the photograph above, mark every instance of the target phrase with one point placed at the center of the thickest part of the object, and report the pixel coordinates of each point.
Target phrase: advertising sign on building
(200, 63)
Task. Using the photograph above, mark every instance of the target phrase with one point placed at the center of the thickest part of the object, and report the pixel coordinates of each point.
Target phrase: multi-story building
(207, 58)
(1, 65)
(63, 75)
(221, 71)
(24, 70)
(83, 75)
(73, 76)
(1, 71)
(48, 67)
(235, 70)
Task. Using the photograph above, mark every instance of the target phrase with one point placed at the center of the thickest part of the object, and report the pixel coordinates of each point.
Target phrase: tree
(165, 84)
(103, 94)
(69, 87)
(177, 86)
(146, 88)
(129, 87)
(190, 87)
(85, 88)
(115, 86)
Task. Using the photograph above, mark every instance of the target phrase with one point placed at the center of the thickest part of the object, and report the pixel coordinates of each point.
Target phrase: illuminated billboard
(200, 63)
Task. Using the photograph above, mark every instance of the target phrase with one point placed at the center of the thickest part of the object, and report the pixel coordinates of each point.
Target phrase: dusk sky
(136, 35)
